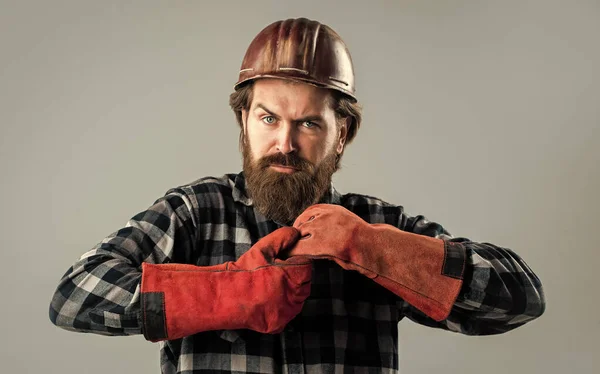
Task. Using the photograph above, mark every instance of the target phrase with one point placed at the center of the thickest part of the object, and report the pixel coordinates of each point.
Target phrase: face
(291, 141)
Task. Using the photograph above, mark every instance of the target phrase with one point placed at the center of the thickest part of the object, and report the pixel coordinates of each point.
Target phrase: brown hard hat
(301, 50)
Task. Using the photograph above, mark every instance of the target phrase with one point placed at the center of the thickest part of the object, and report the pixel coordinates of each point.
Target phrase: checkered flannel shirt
(348, 324)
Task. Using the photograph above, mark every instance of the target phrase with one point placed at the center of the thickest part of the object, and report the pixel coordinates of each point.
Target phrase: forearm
(255, 292)
(100, 293)
(500, 291)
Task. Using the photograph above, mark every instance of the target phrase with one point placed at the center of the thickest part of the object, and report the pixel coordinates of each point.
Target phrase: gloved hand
(256, 292)
(426, 272)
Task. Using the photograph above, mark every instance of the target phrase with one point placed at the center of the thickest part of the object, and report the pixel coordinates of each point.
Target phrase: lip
(283, 169)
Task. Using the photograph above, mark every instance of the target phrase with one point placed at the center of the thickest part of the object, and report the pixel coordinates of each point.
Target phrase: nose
(286, 142)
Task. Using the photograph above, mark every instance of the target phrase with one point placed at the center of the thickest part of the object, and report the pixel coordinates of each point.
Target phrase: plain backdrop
(481, 115)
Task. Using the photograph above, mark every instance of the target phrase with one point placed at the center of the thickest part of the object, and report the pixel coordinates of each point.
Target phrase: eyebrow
(310, 118)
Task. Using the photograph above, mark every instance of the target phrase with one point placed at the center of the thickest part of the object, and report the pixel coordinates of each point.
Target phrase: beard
(283, 197)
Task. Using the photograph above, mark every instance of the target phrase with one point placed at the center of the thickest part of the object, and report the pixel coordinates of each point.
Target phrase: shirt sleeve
(500, 292)
(100, 292)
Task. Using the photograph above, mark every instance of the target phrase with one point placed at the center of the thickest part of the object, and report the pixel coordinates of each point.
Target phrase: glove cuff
(426, 272)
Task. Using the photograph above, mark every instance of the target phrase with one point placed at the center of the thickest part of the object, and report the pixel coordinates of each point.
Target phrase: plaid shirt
(348, 324)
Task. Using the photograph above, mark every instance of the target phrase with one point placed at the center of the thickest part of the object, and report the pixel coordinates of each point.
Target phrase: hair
(343, 105)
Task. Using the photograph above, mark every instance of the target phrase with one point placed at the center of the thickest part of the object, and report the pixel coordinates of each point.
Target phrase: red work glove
(256, 292)
(425, 271)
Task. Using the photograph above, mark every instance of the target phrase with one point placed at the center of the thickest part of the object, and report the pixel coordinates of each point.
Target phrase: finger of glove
(266, 249)
(308, 215)
(335, 212)
(344, 263)
(312, 243)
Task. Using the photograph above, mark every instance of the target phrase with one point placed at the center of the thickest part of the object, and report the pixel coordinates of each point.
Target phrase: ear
(343, 133)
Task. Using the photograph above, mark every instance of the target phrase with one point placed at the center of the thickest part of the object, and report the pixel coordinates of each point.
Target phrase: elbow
(59, 303)
(66, 318)
(53, 314)
(63, 311)
(512, 311)
(55, 318)
(530, 306)
(537, 302)
(57, 314)
(523, 297)
(533, 301)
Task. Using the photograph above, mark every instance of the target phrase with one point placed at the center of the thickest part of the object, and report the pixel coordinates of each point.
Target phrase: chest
(334, 291)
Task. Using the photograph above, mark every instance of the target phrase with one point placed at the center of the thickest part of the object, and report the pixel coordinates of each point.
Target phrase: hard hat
(301, 50)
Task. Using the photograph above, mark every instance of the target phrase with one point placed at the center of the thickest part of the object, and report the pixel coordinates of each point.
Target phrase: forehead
(291, 96)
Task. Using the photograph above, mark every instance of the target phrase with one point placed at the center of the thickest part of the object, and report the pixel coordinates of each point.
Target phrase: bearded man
(272, 269)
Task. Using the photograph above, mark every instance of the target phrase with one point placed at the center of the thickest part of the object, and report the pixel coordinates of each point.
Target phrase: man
(271, 269)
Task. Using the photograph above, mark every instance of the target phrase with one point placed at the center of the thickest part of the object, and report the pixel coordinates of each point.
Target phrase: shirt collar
(332, 196)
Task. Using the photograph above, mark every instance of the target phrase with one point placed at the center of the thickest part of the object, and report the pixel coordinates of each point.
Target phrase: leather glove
(426, 272)
(256, 292)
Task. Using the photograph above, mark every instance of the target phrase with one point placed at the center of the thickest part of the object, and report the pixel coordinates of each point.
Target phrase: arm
(140, 280)
(443, 282)
(100, 293)
(499, 292)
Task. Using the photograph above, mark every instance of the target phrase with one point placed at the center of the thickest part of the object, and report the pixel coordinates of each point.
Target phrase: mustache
(292, 160)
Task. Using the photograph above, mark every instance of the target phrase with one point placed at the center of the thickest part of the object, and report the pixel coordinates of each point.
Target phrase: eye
(269, 120)
(309, 124)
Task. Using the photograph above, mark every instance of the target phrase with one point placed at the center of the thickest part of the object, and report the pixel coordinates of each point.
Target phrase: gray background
(481, 115)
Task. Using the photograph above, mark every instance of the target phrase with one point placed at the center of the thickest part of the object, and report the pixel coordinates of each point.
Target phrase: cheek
(313, 150)
(258, 142)
(329, 142)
